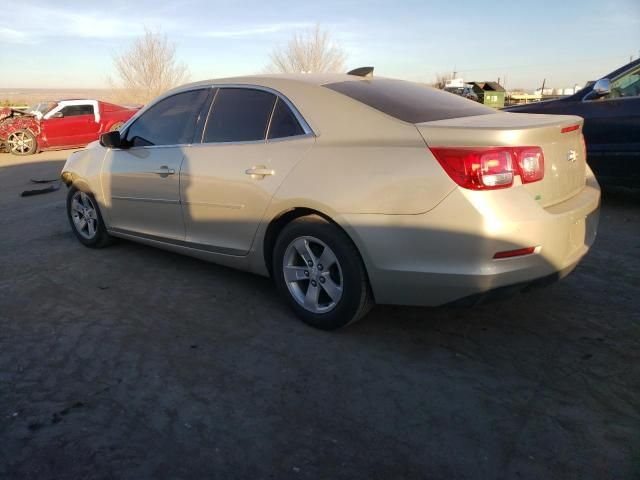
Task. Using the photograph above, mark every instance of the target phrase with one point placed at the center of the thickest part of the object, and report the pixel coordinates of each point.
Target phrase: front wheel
(318, 270)
(85, 219)
(22, 142)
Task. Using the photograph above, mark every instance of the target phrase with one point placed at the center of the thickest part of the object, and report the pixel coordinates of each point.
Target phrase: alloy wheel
(313, 274)
(20, 143)
(84, 215)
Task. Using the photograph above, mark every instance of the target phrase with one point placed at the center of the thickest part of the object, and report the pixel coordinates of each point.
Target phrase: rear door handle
(259, 171)
(164, 171)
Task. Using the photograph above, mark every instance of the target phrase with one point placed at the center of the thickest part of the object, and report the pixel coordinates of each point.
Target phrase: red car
(58, 125)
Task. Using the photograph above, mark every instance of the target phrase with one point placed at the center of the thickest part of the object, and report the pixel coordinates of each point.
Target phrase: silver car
(345, 190)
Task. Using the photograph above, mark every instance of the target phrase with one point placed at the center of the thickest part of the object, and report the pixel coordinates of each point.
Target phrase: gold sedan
(347, 190)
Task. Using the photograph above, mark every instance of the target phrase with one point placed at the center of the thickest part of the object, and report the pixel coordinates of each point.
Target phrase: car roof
(308, 78)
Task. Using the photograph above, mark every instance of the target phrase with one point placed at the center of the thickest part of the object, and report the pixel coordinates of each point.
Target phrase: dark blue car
(611, 111)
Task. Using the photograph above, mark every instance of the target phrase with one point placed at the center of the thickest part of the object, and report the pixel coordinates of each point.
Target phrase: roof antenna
(366, 72)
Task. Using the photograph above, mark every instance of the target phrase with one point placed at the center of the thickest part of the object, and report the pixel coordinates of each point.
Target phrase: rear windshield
(409, 101)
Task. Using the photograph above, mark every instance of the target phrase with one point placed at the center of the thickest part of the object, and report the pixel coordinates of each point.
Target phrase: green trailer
(491, 94)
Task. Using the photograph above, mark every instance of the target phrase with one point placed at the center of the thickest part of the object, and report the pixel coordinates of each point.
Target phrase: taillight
(490, 168)
(530, 163)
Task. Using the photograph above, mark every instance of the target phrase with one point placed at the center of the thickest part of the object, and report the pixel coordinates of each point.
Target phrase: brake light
(490, 168)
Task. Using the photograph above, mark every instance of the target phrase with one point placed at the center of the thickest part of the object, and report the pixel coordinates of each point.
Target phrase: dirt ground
(131, 363)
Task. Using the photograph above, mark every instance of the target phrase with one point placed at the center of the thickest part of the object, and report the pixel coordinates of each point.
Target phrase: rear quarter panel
(363, 161)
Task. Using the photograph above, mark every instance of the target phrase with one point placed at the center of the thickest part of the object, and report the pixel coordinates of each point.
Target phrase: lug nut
(306, 273)
(322, 280)
(320, 267)
(310, 263)
(313, 283)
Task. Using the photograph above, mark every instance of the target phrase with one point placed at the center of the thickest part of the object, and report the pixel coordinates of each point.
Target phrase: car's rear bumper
(446, 254)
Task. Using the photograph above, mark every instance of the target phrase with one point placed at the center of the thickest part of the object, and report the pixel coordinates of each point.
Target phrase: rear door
(252, 140)
(142, 183)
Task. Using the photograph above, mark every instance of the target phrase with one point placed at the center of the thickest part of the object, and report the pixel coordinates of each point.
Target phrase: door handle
(164, 170)
(259, 171)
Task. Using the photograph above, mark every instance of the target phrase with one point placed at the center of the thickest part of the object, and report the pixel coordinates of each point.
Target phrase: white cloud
(10, 35)
(255, 30)
(57, 22)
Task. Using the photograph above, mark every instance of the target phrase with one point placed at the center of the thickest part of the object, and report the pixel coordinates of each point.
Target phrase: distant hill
(28, 96)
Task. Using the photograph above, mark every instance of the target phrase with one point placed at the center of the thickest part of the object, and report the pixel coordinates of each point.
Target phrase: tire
(115, 126)
(22, 142)
(85, 219)
(328, 296)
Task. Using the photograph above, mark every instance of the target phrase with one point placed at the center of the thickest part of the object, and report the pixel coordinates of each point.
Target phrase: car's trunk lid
(564, 155)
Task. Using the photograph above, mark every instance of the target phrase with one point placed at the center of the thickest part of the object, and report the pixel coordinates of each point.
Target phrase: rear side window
(284, 123)
(77, 110)
(239, 115)
(409, 101)
(171, 121)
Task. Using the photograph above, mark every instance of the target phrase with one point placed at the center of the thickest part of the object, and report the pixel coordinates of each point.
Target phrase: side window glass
(77, 110)
(626, 86)
(284, 123)
(172, 121)
(239, 115)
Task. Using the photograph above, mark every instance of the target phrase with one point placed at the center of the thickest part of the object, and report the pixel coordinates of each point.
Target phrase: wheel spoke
(302, 247)
(75, 205)
(81, 224)
(332, 288)
(295, 274)
(311, 298)
(327, 258)
(91, 227)
(84, 198)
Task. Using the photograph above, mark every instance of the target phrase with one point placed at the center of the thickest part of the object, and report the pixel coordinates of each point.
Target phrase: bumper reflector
(515, 253)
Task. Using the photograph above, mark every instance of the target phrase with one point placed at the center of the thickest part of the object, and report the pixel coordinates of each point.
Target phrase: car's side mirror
(602, 87)
(57, 115)
(111, 139)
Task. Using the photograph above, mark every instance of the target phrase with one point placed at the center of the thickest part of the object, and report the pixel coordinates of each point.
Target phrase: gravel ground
(133, 363)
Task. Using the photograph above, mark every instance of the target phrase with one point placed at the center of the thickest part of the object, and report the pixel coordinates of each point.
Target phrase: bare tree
(308, 51)
(148, 68)
(441, 80)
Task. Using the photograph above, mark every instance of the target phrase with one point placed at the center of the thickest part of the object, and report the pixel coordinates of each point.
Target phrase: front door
(71, 125)
(612, 126)
(141, 182)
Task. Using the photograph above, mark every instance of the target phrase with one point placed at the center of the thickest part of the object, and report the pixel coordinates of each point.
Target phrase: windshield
(41, 107)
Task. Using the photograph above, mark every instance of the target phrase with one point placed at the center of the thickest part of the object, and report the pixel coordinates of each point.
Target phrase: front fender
(13, 124)
(83, 169)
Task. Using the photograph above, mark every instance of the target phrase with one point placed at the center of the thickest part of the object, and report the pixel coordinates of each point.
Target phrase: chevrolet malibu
(348, 190)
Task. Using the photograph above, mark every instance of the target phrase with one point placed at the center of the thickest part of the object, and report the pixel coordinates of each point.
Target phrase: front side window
(77, 110)
(283, 122)
(239, 115)
(628, 85)
(171, 121)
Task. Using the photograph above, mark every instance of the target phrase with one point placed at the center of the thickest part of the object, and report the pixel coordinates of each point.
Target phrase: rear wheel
(116, 126)
(318, 270)
(85, 219)
(22, 142)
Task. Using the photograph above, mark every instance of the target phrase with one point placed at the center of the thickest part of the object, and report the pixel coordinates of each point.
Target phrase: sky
(71, 44)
